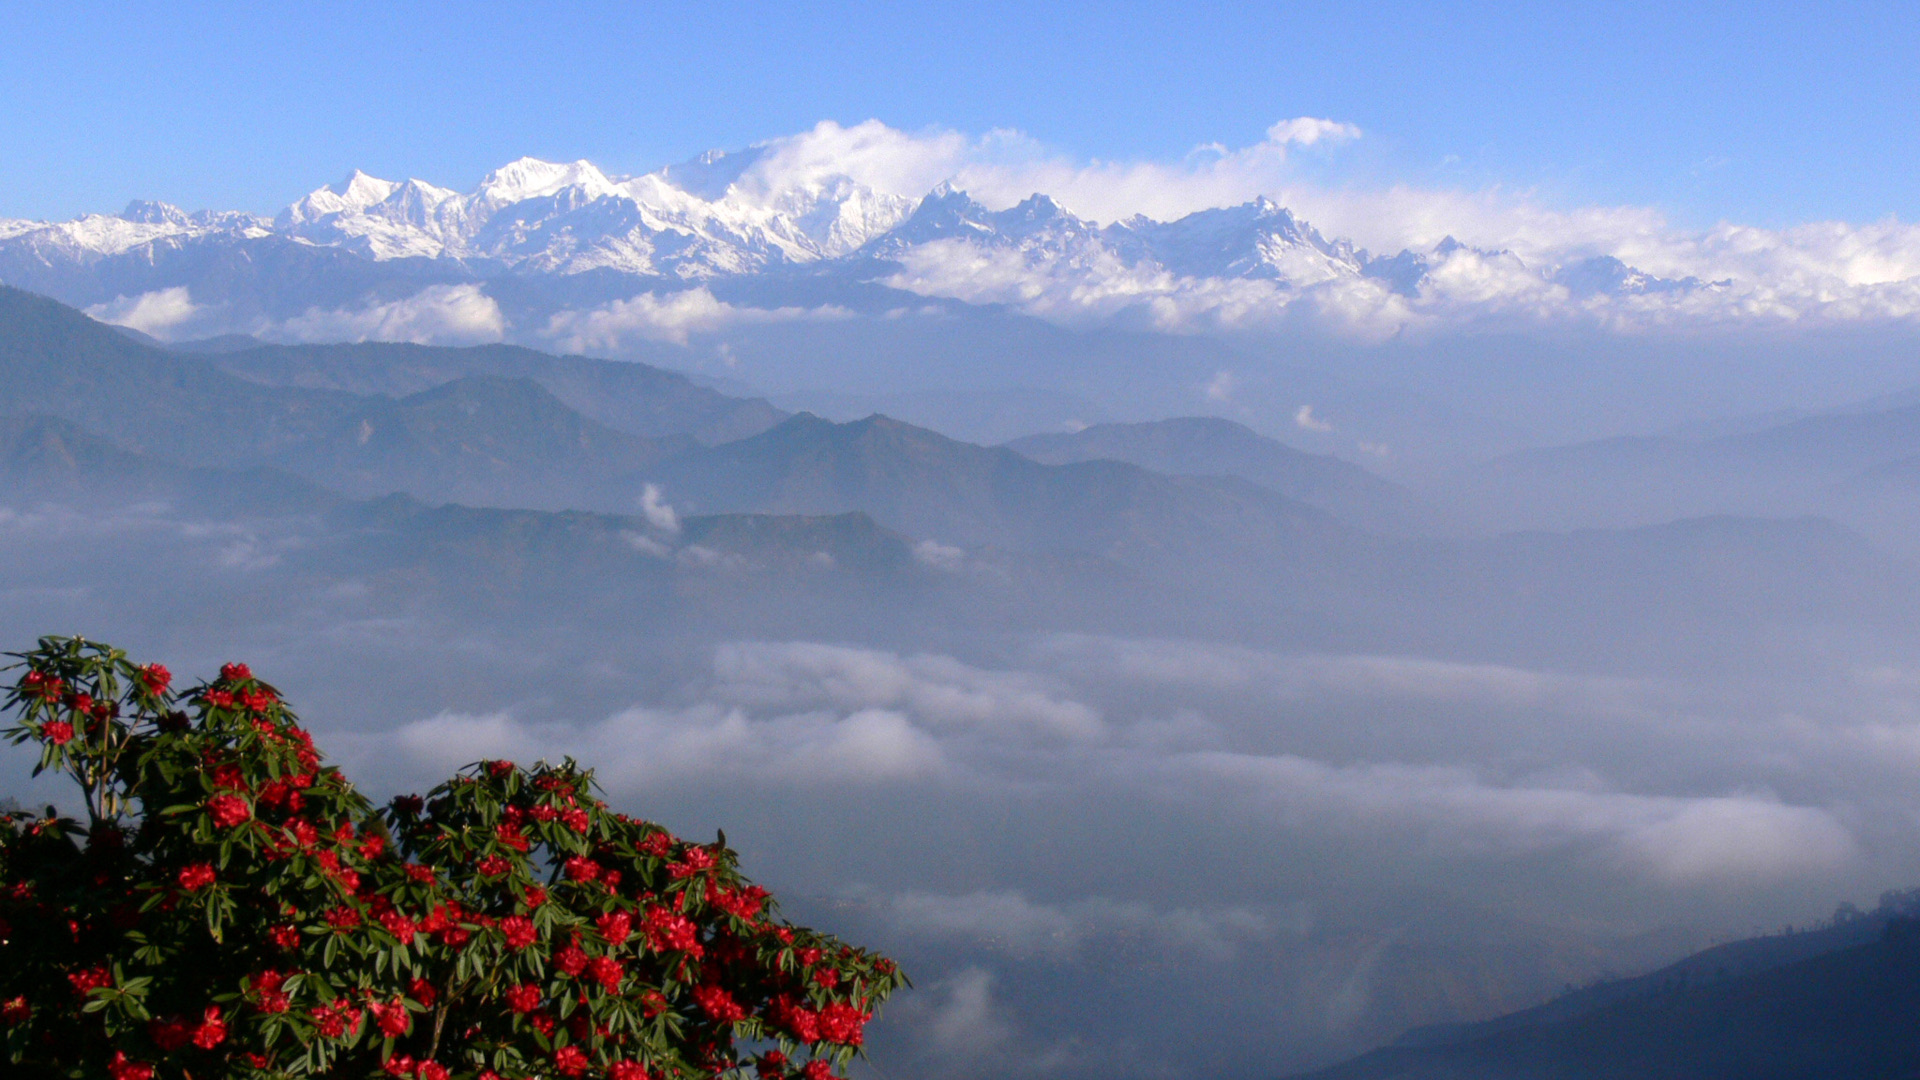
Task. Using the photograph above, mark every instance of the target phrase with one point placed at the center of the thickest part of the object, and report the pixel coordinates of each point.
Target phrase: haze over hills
(1213, 446)
(1015, 678)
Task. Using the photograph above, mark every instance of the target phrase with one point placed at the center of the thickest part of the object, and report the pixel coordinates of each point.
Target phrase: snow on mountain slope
(733, 215)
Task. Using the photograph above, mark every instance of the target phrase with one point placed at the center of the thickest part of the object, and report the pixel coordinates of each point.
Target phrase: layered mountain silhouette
(1212, 446)
(1190, 526)
(1818, 1005)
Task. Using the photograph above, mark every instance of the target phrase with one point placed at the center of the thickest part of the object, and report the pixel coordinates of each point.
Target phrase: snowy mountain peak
(148, 212)
(531, 178)
(732, 214)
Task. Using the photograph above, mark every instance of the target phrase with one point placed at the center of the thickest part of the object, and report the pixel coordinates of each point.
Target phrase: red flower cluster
(173, 1033)
(392, 1019)
(523, 998)
(318, 901)
(268, 995)
(718, 1004)
(122, 1069)
(196, 877)
(335, 1020)
(518, 932)
(670, 931)
(229, 810)
(615, 926)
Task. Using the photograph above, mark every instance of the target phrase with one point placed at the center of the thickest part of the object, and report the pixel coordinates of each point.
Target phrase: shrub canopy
(232, 907)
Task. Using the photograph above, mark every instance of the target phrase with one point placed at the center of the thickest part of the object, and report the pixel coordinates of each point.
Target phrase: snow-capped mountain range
(701, 221)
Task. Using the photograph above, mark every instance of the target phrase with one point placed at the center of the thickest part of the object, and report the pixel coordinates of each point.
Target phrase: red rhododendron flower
(842, 1023)
(122, 1069)
(196, 877)
(392, 1019)
(576, 819)
(653, 1003)
(422, 874)
(773, 1063)
(518, 931)
(431, 1070)
(266, 987)
(500, 768)
(523, 998)
(57, 732)
(492, 866)
(742, 903)
(656, 845)
(817, 1070)
(801, 1021)
(212, 1030)
(423, 992)
(235, 672)
(827, 977)
(15, 1010)
(615, 926)
(570, 1061)
(228, 810)
(606, 971)
(667, 930)
(692, 861)
(398, 1065)
(399, 926)
(717, 1003)
(91, 979)
(285, 935)
(581, 868)
(535, 896)
(543, 1022)
(627, 1070)
(156, 678)
(570, 960)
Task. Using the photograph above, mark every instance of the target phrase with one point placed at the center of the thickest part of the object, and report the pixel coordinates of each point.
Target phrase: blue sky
(1757, 113)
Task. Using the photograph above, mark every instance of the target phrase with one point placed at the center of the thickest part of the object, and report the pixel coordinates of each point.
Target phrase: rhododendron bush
(231, 907)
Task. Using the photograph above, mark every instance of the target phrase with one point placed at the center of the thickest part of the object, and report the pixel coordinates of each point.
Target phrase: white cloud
(673, 316)
(659, 514)
(1304, 419)
(1814, 273)
(939, 556)
(1679, 839)
(1003, 167)
(436, 315)
(642, 749)
(941, 691)
(1007, 921)
(1305, 130)
(968, 1022)
(157, 313)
